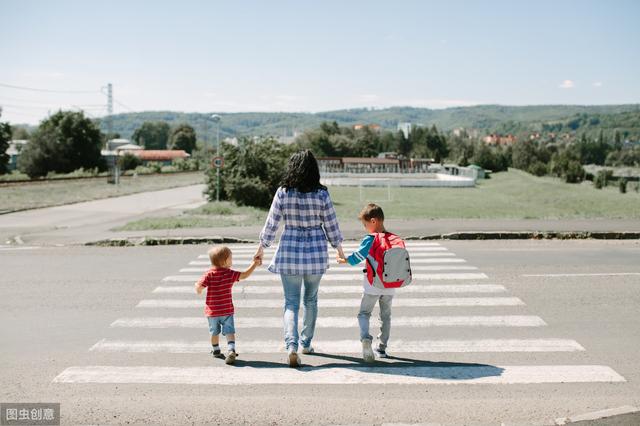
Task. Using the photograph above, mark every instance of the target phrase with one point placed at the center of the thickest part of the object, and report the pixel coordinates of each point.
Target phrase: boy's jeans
(366, 307)
(291, 285)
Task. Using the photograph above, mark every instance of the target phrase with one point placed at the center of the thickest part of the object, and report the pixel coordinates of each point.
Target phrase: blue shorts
(224, 324)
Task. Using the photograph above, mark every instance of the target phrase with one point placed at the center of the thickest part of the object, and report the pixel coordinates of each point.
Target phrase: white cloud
(597, 84)
(567, 84)
(369, 97)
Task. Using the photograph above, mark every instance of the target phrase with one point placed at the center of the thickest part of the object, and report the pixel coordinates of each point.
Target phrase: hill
(483, 117)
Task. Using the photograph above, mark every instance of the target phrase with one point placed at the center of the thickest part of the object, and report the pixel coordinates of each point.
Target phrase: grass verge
(511, 195)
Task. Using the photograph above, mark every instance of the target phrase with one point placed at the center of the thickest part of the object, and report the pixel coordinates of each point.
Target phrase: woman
(309, 221)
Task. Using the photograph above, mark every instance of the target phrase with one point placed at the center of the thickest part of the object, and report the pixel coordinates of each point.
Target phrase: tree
(152, 135)
(251, 173)
(405, 145)
(183, 137)
(19, 133)
(524, 155)
(64, 142)
(5, 138)
(574, 173)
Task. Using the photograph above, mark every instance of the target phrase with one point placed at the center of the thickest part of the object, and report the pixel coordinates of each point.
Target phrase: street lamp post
(216, 119)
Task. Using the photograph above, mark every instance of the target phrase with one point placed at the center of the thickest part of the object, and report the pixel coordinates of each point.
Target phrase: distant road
(84, 221)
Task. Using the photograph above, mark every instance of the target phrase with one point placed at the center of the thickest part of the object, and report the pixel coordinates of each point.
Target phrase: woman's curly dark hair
(302, 173)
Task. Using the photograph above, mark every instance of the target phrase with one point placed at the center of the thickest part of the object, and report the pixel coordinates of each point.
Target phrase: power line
(124, 106)
(33, 89)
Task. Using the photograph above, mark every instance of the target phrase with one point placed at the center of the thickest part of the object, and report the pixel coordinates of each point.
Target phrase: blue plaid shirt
(309, 222)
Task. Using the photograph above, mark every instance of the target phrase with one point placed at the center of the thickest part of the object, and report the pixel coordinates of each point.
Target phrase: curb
(535, 235)
(625, 415)
(532, 235)
(165, 241)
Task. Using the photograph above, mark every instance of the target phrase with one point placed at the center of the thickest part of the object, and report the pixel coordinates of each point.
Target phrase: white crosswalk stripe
(251, 248)
(345, 289)
(340, 322)
(347, 346)
(431, 263)
(418, 374)
(358, 271)
(429, 260)
(342, 277)
(341, 303)
(435, 251)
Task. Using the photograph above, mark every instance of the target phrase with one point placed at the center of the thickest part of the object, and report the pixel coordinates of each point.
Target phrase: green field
(511, 195)
(54, 193)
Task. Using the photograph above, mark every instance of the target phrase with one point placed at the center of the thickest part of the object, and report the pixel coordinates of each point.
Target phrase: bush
(622, 185)
(154, 166)
(248, 192)
(186, 165)
(129, 162)
(574, 172)
(538, 168)
(602, 178)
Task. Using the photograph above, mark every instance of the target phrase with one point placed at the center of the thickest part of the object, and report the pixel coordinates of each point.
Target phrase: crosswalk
(451, 309)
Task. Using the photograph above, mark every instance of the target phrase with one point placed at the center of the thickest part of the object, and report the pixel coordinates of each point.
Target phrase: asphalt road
(551, 331)
(79, 223)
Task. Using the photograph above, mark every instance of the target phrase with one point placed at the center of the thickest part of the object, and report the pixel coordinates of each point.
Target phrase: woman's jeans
(291, 285)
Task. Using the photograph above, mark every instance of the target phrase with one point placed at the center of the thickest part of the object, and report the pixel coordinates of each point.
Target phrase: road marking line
(252, 247)
(341, 277)
(332, 254)
(340, 303)
(9, 248)
(612, 274)
(333, 289)
(358, 271)
(352, 346)
(349, 374)
(266, 261)
(340, 322)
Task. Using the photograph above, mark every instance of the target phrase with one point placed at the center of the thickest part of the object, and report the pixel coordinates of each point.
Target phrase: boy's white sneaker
(294, 359)
(308, 350)
(367, 352)
(381, 353)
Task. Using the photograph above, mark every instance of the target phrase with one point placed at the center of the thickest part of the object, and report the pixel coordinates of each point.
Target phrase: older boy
(372, 217)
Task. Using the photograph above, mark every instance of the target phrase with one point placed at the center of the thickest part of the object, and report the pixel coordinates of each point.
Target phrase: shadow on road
(392, 365)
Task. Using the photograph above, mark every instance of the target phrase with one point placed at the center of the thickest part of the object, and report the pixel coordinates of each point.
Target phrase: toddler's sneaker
(231, 357)
(381, 353)
(216, 353)
(308, 350)
(367, 352)
(294, 359)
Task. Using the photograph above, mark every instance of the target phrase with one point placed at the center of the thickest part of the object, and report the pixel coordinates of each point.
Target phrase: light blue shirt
(360, 255)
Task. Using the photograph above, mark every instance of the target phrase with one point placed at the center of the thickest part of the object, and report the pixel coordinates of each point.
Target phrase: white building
(15, 147)
(405, 128)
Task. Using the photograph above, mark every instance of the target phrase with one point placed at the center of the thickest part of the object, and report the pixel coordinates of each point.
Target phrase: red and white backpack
(388, 262)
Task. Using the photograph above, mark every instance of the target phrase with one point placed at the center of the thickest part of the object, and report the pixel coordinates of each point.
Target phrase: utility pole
(109, 108)
(218, 161)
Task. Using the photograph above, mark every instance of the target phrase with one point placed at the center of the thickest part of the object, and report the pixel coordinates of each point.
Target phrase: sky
(304, 56)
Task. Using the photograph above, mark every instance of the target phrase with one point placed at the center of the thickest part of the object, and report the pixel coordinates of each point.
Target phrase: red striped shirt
(218, 282)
